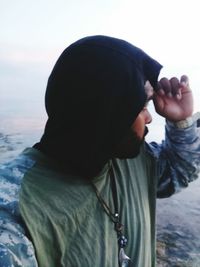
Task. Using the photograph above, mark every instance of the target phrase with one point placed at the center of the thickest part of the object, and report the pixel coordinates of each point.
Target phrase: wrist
(187, 122)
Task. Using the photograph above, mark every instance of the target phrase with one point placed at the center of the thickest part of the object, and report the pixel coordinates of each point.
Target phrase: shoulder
(11, 176)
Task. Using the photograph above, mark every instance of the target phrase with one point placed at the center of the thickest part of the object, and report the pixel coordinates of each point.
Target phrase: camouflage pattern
(178, 158)
(16, 250)
(178, 161)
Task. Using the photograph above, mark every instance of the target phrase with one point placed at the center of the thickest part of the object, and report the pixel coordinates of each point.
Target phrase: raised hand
(173, 99)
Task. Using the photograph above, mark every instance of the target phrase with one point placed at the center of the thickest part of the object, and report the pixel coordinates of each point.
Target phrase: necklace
(123, 259)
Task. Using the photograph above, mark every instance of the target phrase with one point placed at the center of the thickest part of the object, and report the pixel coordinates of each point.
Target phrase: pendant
(124, 260)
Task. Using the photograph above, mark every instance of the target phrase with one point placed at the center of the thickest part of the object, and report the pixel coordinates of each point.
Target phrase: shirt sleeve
(16, 250)
(177, 158)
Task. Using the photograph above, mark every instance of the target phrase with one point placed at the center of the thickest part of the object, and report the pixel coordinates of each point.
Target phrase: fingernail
(161, 92)
(184, 83)
(169, 94)
(178, 96)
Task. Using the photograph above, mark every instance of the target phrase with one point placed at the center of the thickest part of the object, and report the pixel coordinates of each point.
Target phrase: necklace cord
(123, 259)
(113, 216)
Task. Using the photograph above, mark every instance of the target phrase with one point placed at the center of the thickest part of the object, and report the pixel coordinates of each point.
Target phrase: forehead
(148, 89)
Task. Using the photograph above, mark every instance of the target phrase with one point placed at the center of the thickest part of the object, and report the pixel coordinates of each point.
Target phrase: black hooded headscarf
(94, 94)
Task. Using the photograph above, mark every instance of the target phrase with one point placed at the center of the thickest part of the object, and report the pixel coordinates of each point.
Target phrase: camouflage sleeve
(178, 158)
(16, 250)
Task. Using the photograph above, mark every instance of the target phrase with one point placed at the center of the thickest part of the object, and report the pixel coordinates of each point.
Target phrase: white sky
(34, 33)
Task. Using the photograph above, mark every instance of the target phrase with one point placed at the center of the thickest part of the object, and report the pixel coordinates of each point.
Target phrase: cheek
(139, 126)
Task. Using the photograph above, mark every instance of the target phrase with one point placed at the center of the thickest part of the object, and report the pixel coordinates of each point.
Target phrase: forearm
(178, 158)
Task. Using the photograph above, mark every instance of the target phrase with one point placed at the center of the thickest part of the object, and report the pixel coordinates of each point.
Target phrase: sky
(34, 33)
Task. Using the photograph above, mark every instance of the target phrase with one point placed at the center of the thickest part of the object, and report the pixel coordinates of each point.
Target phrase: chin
(130, 146)
(129, 153)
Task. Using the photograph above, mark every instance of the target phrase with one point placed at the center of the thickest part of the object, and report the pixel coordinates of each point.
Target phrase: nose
(147, 116)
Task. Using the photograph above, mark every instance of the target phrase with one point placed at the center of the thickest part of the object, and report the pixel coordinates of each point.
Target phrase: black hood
(94, 94)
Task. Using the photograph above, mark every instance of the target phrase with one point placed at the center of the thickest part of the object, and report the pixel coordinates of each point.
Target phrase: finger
(184, 79)
(159, 89)
(175, 87)
(185, 82)
(166, 86)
